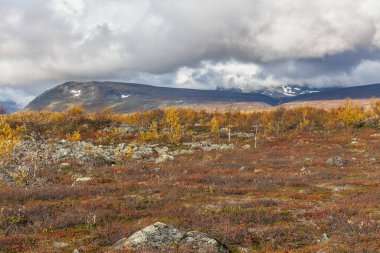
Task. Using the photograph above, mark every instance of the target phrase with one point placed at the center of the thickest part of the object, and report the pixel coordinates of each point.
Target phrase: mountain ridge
(126, 97)
(354, 92)
(130, 97)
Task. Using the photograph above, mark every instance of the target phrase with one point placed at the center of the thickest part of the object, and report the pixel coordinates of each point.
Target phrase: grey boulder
(335, 161)
(161, 237)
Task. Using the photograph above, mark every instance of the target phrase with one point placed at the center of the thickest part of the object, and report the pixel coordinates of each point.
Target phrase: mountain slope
(356, 92)
(127, 97)
(284, 91)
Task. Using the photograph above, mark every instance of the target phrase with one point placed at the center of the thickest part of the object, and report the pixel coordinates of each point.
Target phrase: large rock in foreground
(160, 237)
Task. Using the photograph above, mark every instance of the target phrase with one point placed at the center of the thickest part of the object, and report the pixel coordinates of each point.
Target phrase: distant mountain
(9, 106)
(355, 92)
(284, 91)
(128, 97)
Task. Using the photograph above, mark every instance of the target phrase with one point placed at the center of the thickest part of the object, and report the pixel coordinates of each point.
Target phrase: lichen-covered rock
(37, 153)
(208, 146)
(246, 146)
(161, 237)
(183, 152)
(195, 241)
(143, 151)
(335, 161)
(156, 236)
(60, 245)
(42, 153)
(164, 158)
(226, 146)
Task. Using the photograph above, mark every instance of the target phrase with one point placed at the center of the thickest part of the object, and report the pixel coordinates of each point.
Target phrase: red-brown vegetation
(280, 197)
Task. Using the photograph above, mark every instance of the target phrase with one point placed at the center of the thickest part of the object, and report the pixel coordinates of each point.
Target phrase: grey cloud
(189, 43)
(345, 62)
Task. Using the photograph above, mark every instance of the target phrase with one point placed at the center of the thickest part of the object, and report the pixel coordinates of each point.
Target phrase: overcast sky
(187, 43)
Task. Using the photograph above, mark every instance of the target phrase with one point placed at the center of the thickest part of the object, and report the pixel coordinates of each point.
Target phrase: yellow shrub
(104, 114)
(304, 122)
(73, 137)
(75, 113)
(19, 176)
(214, 125)
(113, 134)
(128, 151)
(376, 109)
(151, 134)
(8, 138)
(173, 125)
(351, 114)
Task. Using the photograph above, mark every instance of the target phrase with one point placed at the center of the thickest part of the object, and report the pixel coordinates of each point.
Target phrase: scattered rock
(60, 245)
(334, 188)
(242, 168)
(164, 158)
(64, 165)
(195, 241)
(183, 152)
(165, 238)
(143, 151)
(242, 135)
(226, 146)
(83, 179)
(308, 159)
(335, 161)
(247, 146)
(44, 154)
(208, 146)
(339, 188)
(89, 154)
(324, 238)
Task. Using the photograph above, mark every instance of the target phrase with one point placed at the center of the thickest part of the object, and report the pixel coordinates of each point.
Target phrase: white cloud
(240, 43)
(248, 76)
(229, 74)
(16, 95)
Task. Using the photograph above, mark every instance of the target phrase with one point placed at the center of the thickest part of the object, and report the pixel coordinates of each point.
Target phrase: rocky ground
(33, 154)
(309, 192)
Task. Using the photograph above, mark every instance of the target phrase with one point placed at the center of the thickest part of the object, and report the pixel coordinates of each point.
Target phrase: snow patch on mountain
(287, 91)
(76, 93)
